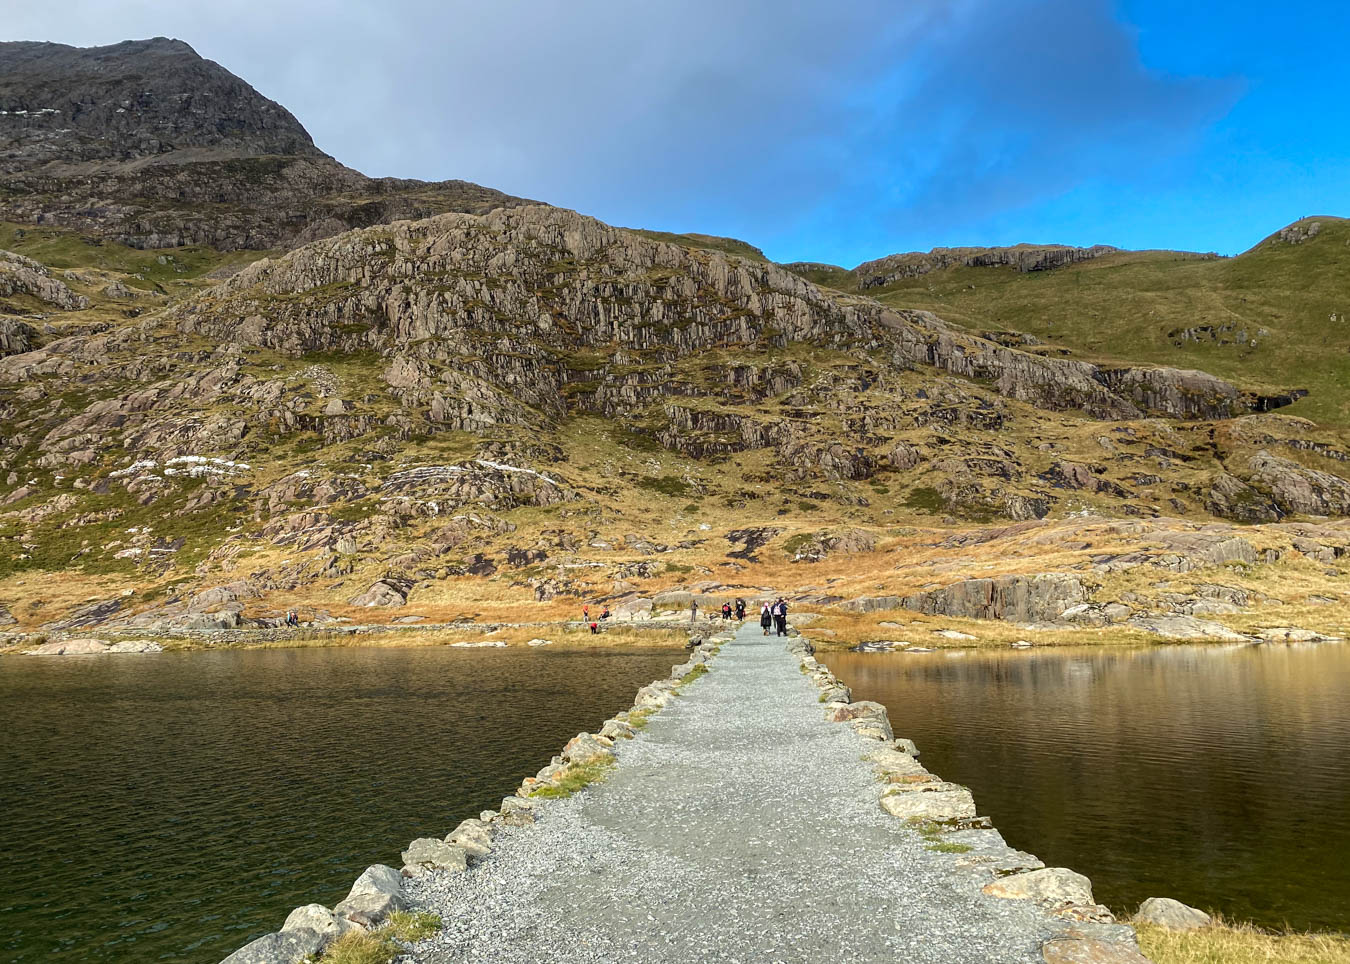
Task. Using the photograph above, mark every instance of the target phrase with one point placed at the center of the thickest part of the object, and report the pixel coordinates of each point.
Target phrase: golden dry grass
(1225, 943)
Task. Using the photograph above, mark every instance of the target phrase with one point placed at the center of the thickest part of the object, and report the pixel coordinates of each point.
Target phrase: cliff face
(147, 143)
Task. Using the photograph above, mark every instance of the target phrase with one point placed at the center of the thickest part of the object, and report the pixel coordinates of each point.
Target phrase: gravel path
(739, 826)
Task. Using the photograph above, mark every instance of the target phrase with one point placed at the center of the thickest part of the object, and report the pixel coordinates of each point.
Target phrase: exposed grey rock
(320, 920)
(71, 647)
(869, 604)
(1172, 914)
(1023, 258)
(1297, 489)
(1231, 498)
(287, 947)
(368, 910)
(1080, 949)
(1034, 598)
(929, 801)
(474, 836)
(16, 337)
(377, 879)
(437, 854)
(586, 748)
(135, 646)
(382, 592)
(1184, 627)
(1050, 884)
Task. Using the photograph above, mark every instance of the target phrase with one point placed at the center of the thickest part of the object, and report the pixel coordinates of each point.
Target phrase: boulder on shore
(1049, 884)
(71, 647)
(287, 947)
(1172, 914)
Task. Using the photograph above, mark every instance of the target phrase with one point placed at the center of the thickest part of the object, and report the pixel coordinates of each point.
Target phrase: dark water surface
(1217, 776)
(172, 807)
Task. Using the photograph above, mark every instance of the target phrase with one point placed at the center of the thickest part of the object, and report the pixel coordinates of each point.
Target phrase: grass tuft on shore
(700, 670)
(1225, 943)
(574, 778)
(381, 946)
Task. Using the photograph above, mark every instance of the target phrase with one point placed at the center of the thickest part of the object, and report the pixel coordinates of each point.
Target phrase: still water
(1217, 776)
(173, 807)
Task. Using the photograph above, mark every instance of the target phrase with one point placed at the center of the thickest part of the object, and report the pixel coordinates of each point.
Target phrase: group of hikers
(593, 623)
(772, 615)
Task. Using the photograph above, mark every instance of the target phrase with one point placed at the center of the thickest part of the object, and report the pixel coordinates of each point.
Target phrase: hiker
(780, 616)
(693, 612)
(586, 612)
(740, 610)
(605, 614)
(765, 619)
(595, 628)
(726, 611)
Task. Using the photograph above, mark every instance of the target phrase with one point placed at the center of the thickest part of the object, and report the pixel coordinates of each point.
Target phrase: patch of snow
(513, 468)
(197, 466)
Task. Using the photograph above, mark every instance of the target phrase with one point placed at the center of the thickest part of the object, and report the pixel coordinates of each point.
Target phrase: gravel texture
(739, 826)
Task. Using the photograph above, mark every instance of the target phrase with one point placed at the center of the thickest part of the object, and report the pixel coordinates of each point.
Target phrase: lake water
(173, 807)
(1218, 776)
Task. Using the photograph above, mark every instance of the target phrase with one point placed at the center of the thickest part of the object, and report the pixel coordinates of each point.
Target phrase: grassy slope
(1125, 307)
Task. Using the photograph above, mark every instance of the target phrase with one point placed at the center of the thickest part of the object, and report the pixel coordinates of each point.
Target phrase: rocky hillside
(498, 412)
(146, 143)
(1274, 316)
(533, 399)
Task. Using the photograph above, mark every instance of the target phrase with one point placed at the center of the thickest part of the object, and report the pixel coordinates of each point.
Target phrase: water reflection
(172, 807)
(1216, 775)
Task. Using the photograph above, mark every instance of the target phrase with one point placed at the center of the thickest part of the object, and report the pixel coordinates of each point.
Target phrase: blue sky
(824, 131)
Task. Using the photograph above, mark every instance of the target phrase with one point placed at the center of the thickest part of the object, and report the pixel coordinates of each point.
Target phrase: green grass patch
(1272, 317)
(925, 499)
(575, 777)
(697, 672)
(638, 719)
(950, 848)
(382, 945)
(412, 926)
(671, 485)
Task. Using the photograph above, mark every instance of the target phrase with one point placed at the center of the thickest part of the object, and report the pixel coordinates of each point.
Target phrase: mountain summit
(64, 106)
(147, 143)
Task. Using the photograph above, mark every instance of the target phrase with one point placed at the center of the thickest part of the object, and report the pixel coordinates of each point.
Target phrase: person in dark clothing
(605, 614)
(740, 610)
(765, 618)
(726, 610)
(780, 611)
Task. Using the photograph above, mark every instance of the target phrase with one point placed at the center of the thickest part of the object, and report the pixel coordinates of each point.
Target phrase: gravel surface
(739, 826)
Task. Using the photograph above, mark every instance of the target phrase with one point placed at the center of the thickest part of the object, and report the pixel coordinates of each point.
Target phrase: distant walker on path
(765, 619)
(780, 610)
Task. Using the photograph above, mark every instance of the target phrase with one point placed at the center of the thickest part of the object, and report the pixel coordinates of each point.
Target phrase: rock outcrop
(1033, 598)
(1021, 257)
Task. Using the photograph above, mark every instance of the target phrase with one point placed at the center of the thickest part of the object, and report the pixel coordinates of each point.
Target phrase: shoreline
(570, 634)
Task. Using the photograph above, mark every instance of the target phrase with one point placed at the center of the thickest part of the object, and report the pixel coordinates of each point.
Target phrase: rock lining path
(739, 826)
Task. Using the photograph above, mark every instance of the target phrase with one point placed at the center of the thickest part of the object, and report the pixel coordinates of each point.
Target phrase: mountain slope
(146, 143)
(1274, 317)
(531, 398)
